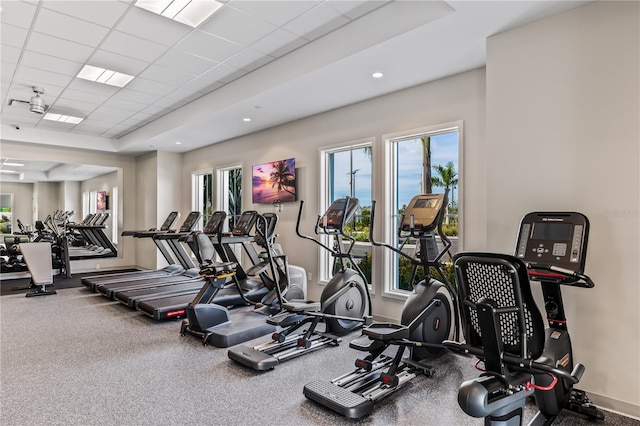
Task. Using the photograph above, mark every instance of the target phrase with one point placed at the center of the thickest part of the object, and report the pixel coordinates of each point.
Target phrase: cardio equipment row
(493, 304)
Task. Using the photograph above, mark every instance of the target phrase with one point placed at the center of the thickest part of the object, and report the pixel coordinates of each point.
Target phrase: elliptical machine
(428, 318)
(345, 302)
(504, 328)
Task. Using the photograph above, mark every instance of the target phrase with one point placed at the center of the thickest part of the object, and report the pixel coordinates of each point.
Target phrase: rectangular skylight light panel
(101, 75)
(12, 172)
(190, 12)
(119, 79)
(62, 118)
(105, 76)
(14, 164)
(89, 72)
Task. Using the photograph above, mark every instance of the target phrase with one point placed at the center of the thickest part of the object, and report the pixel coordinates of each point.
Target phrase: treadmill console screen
(339, 212)
(190, 222)
(214, 224)
(245, 223)
(554, 239)
(169, 221)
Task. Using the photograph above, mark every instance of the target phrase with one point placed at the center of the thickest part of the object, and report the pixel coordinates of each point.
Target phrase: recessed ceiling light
(246, 119)
(377, 74)
(14, 164)
(178, 143)
(190, 12)
(63, 118)
(101, 75)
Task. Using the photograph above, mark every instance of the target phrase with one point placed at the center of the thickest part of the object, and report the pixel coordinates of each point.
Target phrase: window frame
(196, 193)
(325, 260)
(386, 257)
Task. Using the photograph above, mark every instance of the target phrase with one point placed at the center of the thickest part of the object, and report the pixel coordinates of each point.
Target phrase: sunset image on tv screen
(274, 182)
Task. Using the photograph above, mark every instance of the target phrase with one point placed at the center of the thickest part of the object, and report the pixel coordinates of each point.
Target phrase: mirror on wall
(40, 188)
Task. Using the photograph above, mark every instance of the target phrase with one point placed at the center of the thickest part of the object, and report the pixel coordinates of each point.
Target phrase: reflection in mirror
(41, 188)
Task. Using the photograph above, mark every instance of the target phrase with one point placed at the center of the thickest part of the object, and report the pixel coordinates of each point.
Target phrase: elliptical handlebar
(379, 244)
(340, 232)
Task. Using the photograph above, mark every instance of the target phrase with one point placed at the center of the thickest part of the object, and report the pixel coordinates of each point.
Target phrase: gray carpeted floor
(77, 359)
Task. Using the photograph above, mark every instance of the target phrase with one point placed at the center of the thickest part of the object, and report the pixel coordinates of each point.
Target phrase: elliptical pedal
(343, 401)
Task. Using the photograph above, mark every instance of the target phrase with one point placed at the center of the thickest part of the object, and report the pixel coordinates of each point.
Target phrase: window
(230, 194)
(347, 172)
(423, 162)
(230, 199)
(202, 196)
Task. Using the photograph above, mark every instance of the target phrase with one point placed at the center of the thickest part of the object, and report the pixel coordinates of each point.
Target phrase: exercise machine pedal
(341, 400)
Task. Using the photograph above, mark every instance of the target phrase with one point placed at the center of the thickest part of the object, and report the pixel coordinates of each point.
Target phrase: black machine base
(340, 400)
(238, 330)
(250, 357)
(40, 293)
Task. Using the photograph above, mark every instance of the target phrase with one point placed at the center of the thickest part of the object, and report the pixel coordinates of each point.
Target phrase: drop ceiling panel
(119, 63)
(135, 96)
(103, 90)
(22, 89)
(65, 49)
(149, 86)
(105, 13)
(17, 13)
(13, 36)
(73, 107)
(10, 54)
(166, 75)
(152, 27)
(236, 26)
(68, 28)
(191, 64)
(42, 77)
(275, 12)
(134, 47)
(208, 46)
(124, 104)
(87, 97)
(51, 63)
(108, 113)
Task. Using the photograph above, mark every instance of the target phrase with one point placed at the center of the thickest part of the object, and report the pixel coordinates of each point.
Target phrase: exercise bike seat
(301, 306)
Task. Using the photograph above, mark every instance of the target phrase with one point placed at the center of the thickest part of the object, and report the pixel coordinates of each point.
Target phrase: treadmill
(174, 307)
(131, 298)
(92, 282)
(189, 270)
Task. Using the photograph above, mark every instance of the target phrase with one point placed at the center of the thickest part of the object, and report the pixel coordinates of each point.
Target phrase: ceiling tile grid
(47, 43)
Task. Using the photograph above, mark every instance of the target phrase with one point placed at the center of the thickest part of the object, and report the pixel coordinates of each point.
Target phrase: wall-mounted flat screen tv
(274, 182)
(102, 201)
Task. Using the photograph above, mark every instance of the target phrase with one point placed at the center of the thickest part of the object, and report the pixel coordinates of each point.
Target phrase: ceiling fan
(36, 103)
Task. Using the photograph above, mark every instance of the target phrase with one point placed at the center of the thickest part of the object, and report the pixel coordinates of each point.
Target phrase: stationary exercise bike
(345, 302)
(505, 330)
(428, 318)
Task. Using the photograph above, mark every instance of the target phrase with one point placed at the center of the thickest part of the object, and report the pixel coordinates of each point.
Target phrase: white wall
(72, 199)
(126, 249)
(562, 134)
(147, 208)
(47, 199)
(460, 97)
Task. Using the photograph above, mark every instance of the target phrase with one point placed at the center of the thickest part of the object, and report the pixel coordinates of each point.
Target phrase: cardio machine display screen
(552, 231)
